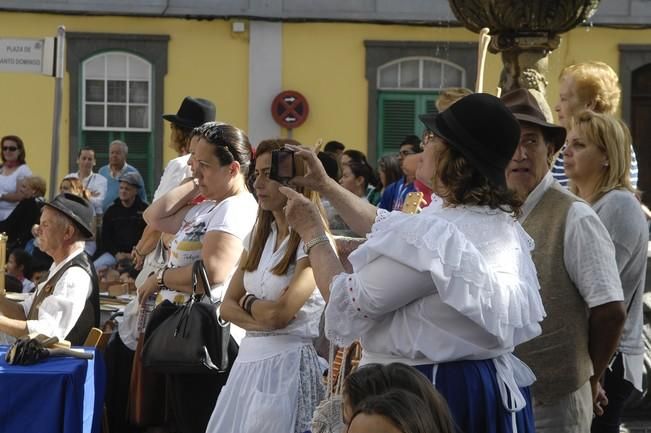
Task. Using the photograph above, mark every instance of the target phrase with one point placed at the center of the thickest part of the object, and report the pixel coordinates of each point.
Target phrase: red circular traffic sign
(290, 109)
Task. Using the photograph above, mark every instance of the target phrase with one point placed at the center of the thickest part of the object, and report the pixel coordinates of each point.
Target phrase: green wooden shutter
(398, 117)
(140, 151)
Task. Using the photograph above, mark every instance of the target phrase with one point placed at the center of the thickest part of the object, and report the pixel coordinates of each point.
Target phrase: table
(57, 395)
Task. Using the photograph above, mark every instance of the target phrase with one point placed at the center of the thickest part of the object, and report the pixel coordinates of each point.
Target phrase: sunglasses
(10, 148)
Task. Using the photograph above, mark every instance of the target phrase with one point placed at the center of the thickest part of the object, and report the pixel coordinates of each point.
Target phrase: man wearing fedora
(579, 280)
(117, 166)
(66, 305)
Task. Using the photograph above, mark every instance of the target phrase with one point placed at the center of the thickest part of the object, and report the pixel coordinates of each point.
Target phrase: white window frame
(421, 61)
(105, 103)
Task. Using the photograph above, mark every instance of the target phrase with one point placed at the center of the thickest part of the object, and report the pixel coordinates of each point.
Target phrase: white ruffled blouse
(447, 284)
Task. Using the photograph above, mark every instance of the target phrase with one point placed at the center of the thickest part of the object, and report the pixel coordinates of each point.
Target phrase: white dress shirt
(60, 311)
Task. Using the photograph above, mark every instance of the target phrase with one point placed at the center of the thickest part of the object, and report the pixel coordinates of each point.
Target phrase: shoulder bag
(192, 338)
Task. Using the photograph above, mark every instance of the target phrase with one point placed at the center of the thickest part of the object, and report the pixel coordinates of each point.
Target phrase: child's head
(376, 379)
(19, 264)
(395, 411)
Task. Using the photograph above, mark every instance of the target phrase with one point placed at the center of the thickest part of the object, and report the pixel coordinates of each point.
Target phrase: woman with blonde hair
(597, 162)
(275, 383)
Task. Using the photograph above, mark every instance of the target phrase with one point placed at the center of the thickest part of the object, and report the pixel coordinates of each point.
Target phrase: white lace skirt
(273, 387)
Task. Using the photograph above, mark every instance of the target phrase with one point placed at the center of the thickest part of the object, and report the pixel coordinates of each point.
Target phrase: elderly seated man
(66, 305)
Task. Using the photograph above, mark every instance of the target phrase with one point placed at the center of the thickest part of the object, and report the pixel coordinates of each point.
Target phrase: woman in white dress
(13, 169)
(597, 160)
(275, 383)
(213, 230)
(450, 291)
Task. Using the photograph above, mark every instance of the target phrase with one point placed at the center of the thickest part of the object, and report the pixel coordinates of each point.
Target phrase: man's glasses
(10, 148)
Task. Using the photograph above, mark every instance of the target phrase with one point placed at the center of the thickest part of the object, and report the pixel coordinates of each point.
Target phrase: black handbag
(191, 338)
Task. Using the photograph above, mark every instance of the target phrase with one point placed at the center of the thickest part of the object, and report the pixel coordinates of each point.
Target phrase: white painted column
(265, 78)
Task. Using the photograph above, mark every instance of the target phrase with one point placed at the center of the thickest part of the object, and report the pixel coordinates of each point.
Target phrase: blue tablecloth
(57, 395)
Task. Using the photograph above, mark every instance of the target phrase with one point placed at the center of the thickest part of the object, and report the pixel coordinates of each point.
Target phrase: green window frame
(138, 136)
(398, 117)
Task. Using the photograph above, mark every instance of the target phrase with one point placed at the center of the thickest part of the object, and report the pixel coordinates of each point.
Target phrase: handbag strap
(199, 273)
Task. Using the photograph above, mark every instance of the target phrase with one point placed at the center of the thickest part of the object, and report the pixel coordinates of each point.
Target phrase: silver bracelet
(314, 242)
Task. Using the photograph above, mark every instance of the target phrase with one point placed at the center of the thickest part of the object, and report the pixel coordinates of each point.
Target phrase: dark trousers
(192, 398)
(119, 359)
(617, 390)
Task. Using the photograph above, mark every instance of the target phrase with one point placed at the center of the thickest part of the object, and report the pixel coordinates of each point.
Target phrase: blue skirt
(473, 396)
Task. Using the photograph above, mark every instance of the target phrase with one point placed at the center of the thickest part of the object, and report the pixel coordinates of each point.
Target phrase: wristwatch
(307, 246)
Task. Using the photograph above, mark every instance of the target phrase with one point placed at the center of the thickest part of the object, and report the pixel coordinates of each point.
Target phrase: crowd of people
(510, 302)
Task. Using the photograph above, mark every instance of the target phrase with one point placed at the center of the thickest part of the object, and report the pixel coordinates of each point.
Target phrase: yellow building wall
(324, 61)
(204, 59)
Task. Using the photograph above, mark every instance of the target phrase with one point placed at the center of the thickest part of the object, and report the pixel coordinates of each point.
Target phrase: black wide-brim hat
(482, 129)
(78, 210)
(192, 113)
(526, 108)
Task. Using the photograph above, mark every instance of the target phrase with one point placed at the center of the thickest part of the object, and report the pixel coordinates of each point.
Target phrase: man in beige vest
(66, 305)
(579, 280)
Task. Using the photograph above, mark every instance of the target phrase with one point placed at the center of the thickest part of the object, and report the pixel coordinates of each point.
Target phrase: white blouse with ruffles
(448, 284)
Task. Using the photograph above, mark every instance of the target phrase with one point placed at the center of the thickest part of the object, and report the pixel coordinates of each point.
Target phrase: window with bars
(407, 88)
(116, 105)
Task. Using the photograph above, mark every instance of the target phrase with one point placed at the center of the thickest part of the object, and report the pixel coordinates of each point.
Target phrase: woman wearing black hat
(451, 290)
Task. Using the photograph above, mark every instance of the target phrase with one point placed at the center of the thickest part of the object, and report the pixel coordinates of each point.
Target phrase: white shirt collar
(55, 268)
(535, 196)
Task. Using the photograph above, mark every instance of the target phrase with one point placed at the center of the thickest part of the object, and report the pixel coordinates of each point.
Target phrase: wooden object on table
(55, 342)
(121, 289)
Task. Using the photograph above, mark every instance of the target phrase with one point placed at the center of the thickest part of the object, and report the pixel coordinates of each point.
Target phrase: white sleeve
(23, 171)
(60, 311)
(175, 171)
(233, 216)
(99, 186)
(589, 256)
(359, 300)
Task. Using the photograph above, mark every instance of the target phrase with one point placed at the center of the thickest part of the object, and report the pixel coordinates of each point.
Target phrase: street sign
(27, 55)
(290, 109)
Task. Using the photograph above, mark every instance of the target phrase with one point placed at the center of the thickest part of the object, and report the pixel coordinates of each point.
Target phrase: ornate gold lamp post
(525, 32)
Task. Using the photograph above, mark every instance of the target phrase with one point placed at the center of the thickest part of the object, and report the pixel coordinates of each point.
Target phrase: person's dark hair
(404, 409)
(85, 149)
(376, 379)
(230, 143)
(360, 167)
(391, 166)
(330, 164)
(22, 258)
(458, 182)
(19, 144)
(333, 146)
(412, 141)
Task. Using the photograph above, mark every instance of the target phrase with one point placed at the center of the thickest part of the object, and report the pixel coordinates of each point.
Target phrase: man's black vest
(89, 316)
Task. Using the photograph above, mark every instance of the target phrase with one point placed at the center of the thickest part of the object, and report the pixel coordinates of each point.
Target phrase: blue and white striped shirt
(558, 169)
